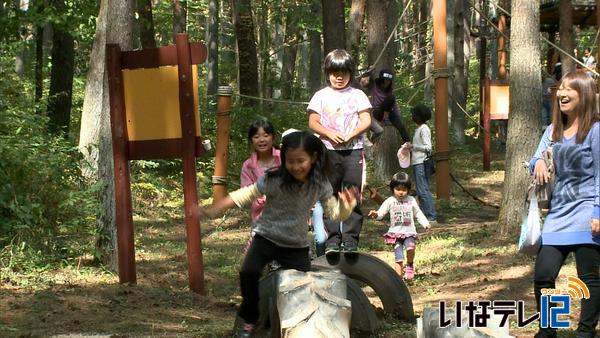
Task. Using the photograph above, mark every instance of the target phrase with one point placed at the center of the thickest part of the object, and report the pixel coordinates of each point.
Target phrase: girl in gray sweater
(281, 232)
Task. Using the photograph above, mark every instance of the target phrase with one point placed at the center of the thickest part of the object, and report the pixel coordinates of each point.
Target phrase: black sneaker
(332, 249)
(349, 247)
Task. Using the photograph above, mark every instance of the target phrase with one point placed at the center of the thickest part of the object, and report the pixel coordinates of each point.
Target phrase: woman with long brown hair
(572, 223)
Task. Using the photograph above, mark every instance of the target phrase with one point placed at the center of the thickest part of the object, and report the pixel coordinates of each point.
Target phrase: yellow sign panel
(499, 102)
(152, 103)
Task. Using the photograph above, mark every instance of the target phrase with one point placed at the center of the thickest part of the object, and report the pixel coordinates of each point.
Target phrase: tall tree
(376, 32)
(565, 26)
(378, 29)
(147, 38)
(212, 41)
(290, 48)
(355, 24)
(113, 25)
(525, 107)
(179, 17)
(392, 18)
(461, 69)
(247, 61)
(334, 29)
(315, 50)
(39, 55)
(61, 76)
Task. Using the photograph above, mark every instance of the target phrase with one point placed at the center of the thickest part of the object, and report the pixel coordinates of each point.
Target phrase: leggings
(261, 252)
(587, 258)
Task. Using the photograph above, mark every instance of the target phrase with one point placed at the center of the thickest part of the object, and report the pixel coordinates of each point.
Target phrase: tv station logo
(555, 305)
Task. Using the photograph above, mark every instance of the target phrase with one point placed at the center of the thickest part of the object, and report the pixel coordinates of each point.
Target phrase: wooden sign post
(219, 178)
(153, 115)
(495, 107)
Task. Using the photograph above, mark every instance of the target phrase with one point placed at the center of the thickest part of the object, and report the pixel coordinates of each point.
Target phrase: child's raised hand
(373, 213)
(348, 196)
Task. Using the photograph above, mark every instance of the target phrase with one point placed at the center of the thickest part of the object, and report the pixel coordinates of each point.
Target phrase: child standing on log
(340, 115)
(280, 232)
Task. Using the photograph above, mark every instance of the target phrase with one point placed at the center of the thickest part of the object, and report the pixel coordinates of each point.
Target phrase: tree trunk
(212, 42)
(39, 66)
(246, 50)
(384, 153)
(422, 38)
(61, 77)
(406, 42)
(146, 20)
(290, 50)
(355, 24)
(114, 25)
(525, 107)
(314, 82)
(565, 23)
(391, 51)
(376, 32)
(334, 34)
(461, 63)
(179, 17)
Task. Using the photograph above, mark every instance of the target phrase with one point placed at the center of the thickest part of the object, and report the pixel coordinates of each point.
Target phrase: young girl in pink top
(265, 155)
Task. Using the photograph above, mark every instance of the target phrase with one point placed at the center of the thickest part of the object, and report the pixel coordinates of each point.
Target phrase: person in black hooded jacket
(384, 101)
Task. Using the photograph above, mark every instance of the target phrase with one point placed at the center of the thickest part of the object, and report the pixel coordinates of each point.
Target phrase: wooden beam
(441, 73)
(124, 216)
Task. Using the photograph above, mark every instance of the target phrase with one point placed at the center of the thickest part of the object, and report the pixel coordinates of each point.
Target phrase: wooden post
(482, 76)
(188, 136)
(501, 48)
(441, 73)
(221, 151)
(487, 139)
(124, 217)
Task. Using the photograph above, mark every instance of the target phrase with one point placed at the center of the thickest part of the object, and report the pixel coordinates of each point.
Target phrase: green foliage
(46, 207)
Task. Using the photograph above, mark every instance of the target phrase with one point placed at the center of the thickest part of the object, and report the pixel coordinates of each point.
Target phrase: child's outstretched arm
(382, 211)
(240, 198)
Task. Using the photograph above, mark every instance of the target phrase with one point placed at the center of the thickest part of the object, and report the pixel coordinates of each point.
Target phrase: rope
(219, 180)
(471, 194)
(270, 100)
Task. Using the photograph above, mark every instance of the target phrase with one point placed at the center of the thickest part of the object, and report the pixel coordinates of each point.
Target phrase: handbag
(429, 165)
(543, 192)
(530, 239)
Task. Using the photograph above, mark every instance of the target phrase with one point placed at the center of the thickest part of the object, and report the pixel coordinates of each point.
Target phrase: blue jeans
(425, 199)
(319, 229)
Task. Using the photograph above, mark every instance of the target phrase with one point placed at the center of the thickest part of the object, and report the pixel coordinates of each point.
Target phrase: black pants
(348, 165)
(261, 252)
(547, 266)
(387, 105)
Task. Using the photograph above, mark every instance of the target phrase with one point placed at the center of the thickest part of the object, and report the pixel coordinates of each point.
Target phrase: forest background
(55, 163)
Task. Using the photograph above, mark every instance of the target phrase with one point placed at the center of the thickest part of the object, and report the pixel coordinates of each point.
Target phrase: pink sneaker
(410, 272)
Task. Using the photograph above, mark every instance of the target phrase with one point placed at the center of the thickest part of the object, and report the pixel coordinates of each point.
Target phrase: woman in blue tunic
(572, 223)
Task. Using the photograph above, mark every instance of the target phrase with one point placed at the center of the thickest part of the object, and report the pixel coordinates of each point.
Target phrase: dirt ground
(84, 299)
